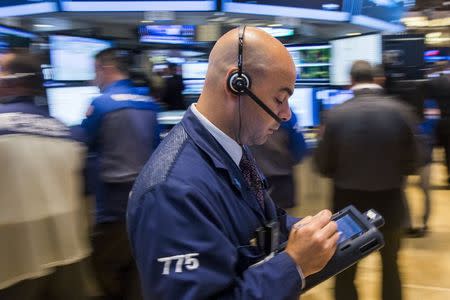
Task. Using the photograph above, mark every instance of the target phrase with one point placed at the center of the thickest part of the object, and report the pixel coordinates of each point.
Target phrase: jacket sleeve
(297, 144)
(414, 142)
(91, 124)
(324, 155)
(183, 252)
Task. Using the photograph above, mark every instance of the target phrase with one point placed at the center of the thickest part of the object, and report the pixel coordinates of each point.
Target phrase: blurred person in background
(122, 129)
(43, 223)
(277, 158)
(368, 147)
(413, 93)
(438, 88)
(174, 86)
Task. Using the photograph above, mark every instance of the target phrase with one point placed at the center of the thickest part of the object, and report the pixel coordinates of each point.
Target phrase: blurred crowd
(64, 190)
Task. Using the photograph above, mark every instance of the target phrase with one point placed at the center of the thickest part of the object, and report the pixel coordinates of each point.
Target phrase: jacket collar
(219, 157)
(116, 84)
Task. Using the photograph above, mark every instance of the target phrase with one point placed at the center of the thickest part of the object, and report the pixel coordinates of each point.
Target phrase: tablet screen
(348, 227)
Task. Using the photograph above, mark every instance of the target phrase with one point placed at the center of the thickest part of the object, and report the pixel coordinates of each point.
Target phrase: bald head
(272, 74)
(262, 53)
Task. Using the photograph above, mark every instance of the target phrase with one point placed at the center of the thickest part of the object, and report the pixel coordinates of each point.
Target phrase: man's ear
(226, 83)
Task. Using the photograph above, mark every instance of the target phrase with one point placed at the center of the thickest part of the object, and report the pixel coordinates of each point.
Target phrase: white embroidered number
(188, 260)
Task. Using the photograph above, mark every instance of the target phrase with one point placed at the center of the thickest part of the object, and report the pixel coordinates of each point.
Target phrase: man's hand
(312, 242)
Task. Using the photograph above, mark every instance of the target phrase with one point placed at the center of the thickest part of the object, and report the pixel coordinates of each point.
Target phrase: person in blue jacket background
(196, 206)
(123, 131)
(277, 158)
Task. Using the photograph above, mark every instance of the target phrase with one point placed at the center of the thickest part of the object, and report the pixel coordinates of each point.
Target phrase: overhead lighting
(424, 22)
(147, 21)
(275, 25)
(353, 33)
(43, 25)
(433, 34)
(330, 6)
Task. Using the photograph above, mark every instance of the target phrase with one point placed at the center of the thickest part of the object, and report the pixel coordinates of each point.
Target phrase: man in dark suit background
(368, 147)
(173, 95)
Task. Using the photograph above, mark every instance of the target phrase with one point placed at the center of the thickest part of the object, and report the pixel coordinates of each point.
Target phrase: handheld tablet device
(359, 237)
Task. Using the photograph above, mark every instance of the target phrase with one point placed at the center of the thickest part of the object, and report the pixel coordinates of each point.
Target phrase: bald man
(198, 204)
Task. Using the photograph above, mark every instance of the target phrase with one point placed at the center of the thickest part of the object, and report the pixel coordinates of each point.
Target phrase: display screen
(330, 10)
(70, 104)
(278, 31)
(345, 51)
(11, 37)
(138, 5)
(305, 106)
(73, 58)
(167, 34)
(386, 10)
(10, 8)
(348, 227)
(194, 70)
(437, 55)
(332, 97)
(312, 62)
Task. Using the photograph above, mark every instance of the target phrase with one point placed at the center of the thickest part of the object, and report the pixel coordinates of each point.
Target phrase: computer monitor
(194, 70)
(347, 50)
(305, 107)
(312, 62)
(329, 10)
(73, 57)
(12, 8)
(332, 97)
(167, 34)
(70, 104)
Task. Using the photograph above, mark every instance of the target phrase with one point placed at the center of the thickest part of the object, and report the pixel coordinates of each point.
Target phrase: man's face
(5, 87)
(99, 75)
(274, 91)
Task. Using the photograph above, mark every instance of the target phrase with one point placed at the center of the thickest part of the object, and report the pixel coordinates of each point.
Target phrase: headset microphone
(240, 83)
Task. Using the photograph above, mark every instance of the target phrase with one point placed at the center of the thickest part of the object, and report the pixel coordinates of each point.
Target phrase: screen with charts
(312, 62)
(72, 57)
(70, 104)
(345, 51)
(305, 106)
(332, 97)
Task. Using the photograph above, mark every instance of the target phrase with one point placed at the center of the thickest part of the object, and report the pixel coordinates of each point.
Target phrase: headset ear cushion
(236, 83)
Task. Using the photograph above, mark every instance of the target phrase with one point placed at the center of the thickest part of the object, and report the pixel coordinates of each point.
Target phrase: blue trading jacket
(297, 144)
(190, 220)
(123, 131)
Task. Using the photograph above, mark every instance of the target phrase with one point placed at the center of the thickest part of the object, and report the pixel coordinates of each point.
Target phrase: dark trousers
(66, 282)
(113, 263)
(390, 205)
(443, 135)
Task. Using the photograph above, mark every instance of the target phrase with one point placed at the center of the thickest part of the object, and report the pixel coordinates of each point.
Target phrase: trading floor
(424, 262)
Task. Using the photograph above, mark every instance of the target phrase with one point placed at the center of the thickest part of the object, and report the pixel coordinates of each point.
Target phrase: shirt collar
(231, 146)
(118, 83)
(361, 86)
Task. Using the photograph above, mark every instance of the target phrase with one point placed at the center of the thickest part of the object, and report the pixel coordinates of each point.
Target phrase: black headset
(240, 83)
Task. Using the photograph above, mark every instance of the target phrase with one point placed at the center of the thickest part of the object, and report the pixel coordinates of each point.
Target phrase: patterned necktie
(251, 176)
